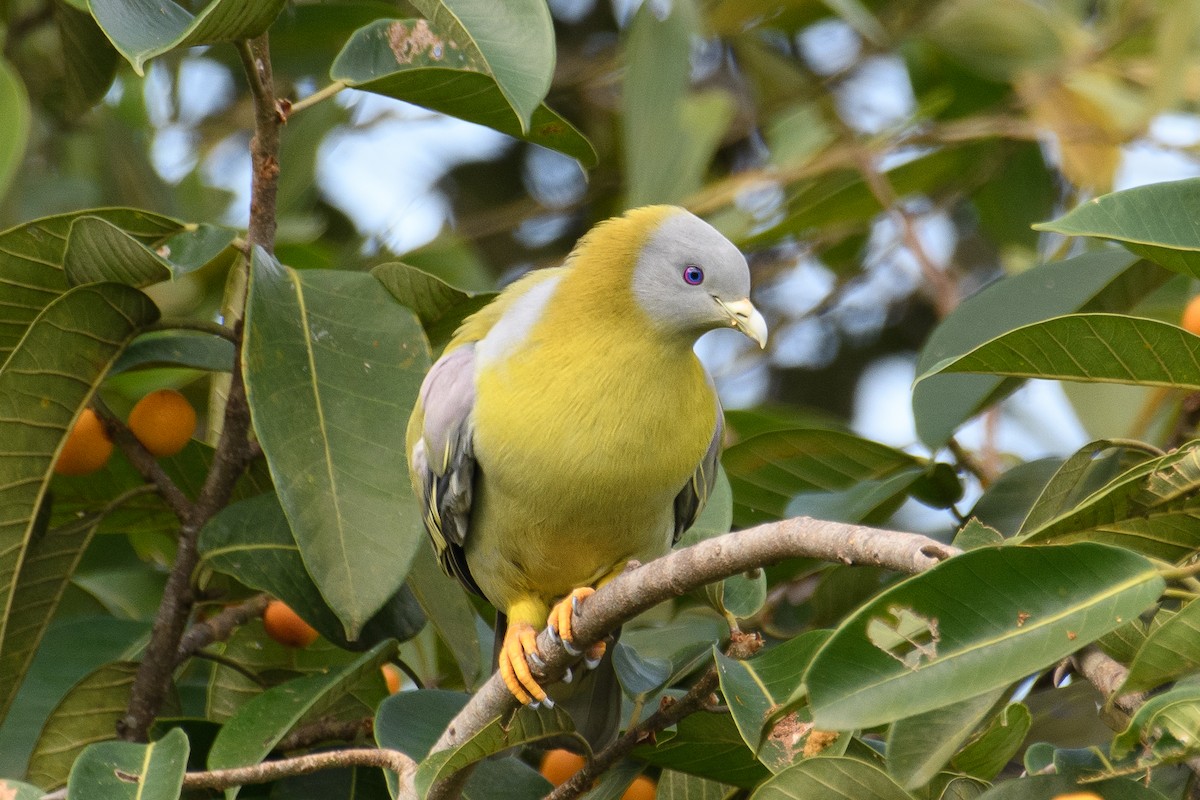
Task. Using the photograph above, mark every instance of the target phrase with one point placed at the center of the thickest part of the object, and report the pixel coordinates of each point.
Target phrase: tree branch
(326, 730)
(645, 586)
(393, 760)
(264, 146)
(218, 627)
(142, 460)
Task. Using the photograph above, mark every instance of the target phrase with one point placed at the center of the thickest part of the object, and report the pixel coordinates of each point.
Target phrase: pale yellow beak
(745, 317)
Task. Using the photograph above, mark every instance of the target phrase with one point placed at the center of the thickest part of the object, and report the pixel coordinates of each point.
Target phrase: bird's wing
(692, 498)
(442, 458)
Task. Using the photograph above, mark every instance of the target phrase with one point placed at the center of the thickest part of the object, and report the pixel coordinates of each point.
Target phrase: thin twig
(264, 146)
(142, 460)
(218, 627)
(326, 730)
(741, 647)
(970, 463)
(314, 98)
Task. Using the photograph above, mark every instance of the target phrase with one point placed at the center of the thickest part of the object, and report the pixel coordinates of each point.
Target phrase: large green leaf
(512, 41)
(1109, 348)
(674, 785)
(526, 726)
(426, 63)
(1098, 281)
(87, 714)
(449, 611)
(669, 136)
(31, 262)
(708, 746)
(1160, 222)
(332, 367)
(1150, 508)
(768, 470)
(89, 59)
(265, 719)
(412, 721)
(756, 688)
(977, 622)
(831, 778)
(50, 561)
(14, 109)
(130, 771)
(1165, 728)
(440, 306)
(143, 29)
(251, 541)
(44, 387)
(1171, 650)
(178, 348)
(919, 746)
(990, 753)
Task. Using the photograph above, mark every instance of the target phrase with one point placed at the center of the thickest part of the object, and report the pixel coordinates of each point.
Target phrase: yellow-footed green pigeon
(568, 428)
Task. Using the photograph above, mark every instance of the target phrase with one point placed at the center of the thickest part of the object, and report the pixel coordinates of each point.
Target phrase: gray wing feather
(444, 458)
(692, 498)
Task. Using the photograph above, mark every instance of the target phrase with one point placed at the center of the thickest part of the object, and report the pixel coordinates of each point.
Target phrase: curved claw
(594, 654)
(561, 614)
(520, 645)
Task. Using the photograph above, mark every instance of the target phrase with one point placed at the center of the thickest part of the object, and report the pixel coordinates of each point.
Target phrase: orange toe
(520, 642)
(560, 615)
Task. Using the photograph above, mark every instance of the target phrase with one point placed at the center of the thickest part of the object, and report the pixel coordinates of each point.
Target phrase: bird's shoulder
(508, 303)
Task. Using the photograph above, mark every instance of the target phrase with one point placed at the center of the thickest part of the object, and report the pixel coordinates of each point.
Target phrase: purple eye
(693, 275)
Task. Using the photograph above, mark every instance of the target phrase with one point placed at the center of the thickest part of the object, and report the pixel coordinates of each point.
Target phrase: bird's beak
(745, 317)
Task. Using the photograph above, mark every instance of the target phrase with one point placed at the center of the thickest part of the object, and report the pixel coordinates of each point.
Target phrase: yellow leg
(525, 617)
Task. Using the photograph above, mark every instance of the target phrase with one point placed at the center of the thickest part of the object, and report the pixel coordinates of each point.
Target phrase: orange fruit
(642, 788)
(87, 447)
(1078, 796)
(286, 627)
(391, 675)
(163, 422)
(1191, 316)
(559, 766)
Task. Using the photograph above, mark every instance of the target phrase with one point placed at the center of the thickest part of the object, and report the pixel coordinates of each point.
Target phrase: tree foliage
(926, 178)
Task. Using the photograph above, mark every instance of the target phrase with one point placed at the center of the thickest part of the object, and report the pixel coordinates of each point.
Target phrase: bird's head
(689, 279)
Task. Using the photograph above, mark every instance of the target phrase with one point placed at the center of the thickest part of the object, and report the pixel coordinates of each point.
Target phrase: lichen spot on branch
(416, 42)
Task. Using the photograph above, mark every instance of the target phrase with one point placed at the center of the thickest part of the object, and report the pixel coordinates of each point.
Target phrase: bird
(568, 428)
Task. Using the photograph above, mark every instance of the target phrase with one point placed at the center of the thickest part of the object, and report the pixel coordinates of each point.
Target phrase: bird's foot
(563, 611)
(519, 646)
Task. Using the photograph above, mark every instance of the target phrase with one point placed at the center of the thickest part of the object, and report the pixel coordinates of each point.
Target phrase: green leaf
(440, 306)
(919, 746)
(1165, 728)
(14, 136)
(971, 624)
(1150, 508)
(87, 714)
(768, 470)
(44, 387)
(669, 136)
(118, 770)
(143, 29)
(526, 726)
(90, 61)
(180, 348)
(1109, 348)
(1051, 787)
(708, 746)
(412, 721)
(1005, 504)
(100, 251)
(449, 610)
(1107, 280)
(332, 367)
(1000, 39)
(990, 753)
(31, 262)
(1170, 651)
(975, 534)
(251, 541)
(758, 689)
(513, 42)
(49, 563)
(426, 64)
(265, 719)
(1157, 221)
(831, 778)
(674, 785)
